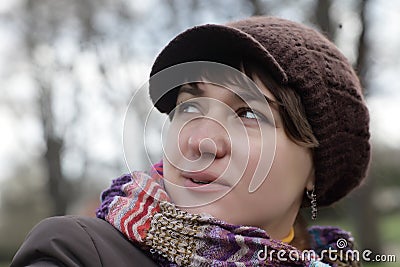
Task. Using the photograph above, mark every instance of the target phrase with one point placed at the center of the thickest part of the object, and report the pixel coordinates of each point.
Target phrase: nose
(208, 137)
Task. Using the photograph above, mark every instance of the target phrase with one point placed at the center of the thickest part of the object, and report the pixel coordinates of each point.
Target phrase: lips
(198, 182)
(205, 181)
(200, 177)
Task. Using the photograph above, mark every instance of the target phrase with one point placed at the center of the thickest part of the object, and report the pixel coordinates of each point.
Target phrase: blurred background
(68, 69)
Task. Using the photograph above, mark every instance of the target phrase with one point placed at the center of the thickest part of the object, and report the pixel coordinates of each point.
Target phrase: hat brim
(213, 43)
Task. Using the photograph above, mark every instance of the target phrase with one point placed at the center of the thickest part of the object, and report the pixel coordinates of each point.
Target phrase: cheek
(281, 173)
(169, 171)
(291, 169)
(293, 162)
(259, 156)
(174, 145)
(172, 152)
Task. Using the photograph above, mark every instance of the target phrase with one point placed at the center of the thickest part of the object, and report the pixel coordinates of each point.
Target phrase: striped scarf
(138, 206)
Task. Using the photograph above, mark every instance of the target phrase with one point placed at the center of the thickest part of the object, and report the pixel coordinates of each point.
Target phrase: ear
(310, 182)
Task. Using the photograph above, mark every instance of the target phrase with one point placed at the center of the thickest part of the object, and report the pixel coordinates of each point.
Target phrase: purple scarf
(137, 205)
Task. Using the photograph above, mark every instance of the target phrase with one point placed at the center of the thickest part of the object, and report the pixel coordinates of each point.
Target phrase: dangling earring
(313, 197)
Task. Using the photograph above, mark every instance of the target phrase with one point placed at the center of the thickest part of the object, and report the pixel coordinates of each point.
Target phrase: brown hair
(290, 108)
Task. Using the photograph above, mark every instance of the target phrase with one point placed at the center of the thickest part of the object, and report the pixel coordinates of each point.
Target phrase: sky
(20, 131)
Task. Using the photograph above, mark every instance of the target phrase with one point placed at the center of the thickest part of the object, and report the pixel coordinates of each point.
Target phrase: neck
(281, 227)
(279, 233)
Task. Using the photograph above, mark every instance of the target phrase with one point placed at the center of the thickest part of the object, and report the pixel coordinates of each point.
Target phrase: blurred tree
(44, 24)
(258, 7)
(323, 18)
(363, 209)
(43, 20)
(21, 207)
(385, 166)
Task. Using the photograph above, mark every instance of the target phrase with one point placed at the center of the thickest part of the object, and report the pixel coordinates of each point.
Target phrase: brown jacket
(78, 241)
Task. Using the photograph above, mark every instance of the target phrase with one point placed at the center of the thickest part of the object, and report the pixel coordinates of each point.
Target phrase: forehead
(253, 91)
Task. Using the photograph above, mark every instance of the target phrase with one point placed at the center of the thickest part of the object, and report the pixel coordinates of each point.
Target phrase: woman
(267, 116)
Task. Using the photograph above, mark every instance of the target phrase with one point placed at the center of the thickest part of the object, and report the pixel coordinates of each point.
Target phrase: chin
(215, 211)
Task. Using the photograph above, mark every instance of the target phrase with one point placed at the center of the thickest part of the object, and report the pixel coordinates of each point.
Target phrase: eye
(249, 114)
(188, 107)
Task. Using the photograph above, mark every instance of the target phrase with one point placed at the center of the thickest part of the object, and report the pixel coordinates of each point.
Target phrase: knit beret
(304, 60)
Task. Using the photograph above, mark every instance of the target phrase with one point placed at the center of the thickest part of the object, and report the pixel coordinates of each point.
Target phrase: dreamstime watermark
(341, 254)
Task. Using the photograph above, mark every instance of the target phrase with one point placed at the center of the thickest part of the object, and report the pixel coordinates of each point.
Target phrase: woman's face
(220, 147)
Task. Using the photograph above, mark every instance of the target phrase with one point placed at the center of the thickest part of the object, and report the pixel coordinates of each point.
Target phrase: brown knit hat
(304, 60)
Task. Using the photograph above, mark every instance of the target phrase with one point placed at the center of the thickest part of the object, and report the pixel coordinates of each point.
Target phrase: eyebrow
(195, 90)
(191, 88)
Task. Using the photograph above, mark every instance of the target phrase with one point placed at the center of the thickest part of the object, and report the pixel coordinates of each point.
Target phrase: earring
(313, 197)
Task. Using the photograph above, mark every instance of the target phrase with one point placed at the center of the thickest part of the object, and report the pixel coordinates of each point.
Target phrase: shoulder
(323, 237)
(77, 241)
(331, 242)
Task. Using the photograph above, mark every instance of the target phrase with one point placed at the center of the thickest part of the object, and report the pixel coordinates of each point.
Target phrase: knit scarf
(138, 206)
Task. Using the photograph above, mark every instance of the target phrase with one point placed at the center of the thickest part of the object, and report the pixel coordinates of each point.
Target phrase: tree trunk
(258, 8)
(323, 18)
(56, 182)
